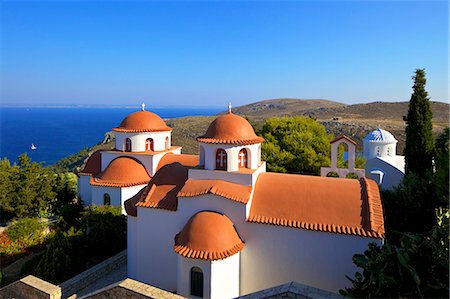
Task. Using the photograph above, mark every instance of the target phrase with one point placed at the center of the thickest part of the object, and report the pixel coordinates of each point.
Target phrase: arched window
(106, 199)
(128, 145)
(389, 151)
(167, 143)
(378, 150)
(243, 159)
(196, 282)
(149, 144)
(221, 159)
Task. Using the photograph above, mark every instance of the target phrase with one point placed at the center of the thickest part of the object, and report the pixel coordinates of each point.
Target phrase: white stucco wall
(275, 255)
(392, 176)
(99, 191)
(127, 193)
(248, 179)
(225, 277)
(138, 140)
(84, 189)
(184, 266)
(209, 158)
(379, 149)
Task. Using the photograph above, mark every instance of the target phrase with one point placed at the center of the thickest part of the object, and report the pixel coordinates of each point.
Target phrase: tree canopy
(419, 136)
(295, 145)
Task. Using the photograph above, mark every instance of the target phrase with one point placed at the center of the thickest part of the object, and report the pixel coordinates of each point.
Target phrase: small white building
(112, 176)
(383, 165)
(218, 226)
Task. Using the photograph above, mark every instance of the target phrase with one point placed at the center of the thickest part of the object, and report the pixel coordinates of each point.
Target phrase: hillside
(355, 121)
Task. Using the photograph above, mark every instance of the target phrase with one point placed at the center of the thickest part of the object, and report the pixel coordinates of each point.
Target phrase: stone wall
(91, 275)
(31, 287)
(130, 288)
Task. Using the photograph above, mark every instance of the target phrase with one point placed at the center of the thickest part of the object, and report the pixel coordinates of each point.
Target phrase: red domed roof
(208, 236)
(122, 172)
(230, 129)
(93, 164)
(142, 121)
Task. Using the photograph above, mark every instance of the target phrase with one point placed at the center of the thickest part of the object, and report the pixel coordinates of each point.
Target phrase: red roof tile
(162, 190)
(235, 192)
(142, 121)
(230, 129)
(122, 172)
(208, 236)
(318, 203)
(93, 164)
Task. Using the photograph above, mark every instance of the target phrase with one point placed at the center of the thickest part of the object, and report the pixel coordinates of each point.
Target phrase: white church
(217, 225)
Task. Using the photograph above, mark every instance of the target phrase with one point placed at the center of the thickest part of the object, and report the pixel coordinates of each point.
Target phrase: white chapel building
(217, 225)
(383, 165)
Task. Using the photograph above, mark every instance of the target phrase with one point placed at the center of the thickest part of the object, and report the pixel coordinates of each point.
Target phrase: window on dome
(221, 159)
(243, 159)
(128, 145)
(378, 150)
(167, 143)
(389, 151)
(196, 282)
(149, 144)
(106, 199)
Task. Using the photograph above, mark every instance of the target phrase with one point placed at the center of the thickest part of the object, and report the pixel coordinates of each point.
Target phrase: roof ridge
(372, 206)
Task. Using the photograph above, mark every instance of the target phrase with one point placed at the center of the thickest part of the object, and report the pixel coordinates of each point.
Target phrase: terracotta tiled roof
(93, 164)
(142, 121)
(230, 129)
(236, 192)
(318, 203)
(162, 190)
(208, 236)
(122, 172)
(343, 137)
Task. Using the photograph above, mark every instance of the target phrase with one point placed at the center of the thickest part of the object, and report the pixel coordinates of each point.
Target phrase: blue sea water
(61, 132)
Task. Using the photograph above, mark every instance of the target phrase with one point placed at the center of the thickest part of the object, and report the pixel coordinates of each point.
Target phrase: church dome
(380, 136)
(142, 121)
(230, 129)
(208, 236)
(122, 172)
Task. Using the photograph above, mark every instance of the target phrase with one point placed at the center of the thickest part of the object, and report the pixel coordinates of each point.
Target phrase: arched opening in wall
(352, 175)
(221, 159)
(342, 155)
(167, 143)
(128, 145)
(332, 174)
(106, 199)
(149, 144)
(243, 158)
(389, 151)
(196, 282)
(378, 151)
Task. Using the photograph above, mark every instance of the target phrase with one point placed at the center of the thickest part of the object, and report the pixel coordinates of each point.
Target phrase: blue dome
(380, 136)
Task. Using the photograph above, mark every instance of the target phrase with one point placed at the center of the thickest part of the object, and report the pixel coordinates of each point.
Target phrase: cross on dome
(143, 106)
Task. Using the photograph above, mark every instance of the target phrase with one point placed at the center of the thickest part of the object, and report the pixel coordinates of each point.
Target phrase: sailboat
(33, 147)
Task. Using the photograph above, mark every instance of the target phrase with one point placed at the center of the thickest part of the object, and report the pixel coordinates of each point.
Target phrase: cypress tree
(419, 137)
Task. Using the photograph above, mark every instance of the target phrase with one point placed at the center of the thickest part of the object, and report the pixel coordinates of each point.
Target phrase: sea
(60, 132)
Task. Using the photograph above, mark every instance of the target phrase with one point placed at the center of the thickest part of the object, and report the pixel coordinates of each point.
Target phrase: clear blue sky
(209, 53)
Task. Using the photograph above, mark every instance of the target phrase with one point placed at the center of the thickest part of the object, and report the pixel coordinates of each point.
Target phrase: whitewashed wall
(248, 179)
(84, 189)
(209, 158)
(184, 266)
(225, 277)
(275, 255)
(127, 193)
(99, 191)
(385, 149)
(138, 140)
(392, 176)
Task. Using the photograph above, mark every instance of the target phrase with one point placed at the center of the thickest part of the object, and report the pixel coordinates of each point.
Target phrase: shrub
(29, 231)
